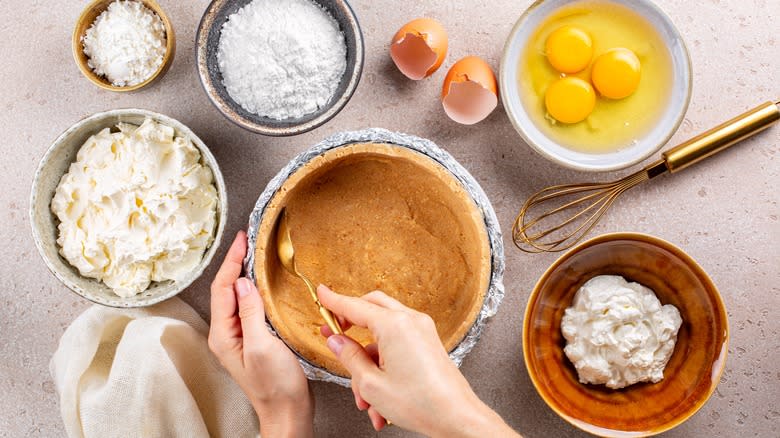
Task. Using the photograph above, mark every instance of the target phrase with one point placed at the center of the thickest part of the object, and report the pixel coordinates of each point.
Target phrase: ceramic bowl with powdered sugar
(279, 68)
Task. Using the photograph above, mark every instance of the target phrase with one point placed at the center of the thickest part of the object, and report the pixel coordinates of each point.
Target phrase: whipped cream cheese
(135, 207)
(618, 333)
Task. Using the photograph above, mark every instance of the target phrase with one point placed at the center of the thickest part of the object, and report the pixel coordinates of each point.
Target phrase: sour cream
(136, 206)
(618, 333)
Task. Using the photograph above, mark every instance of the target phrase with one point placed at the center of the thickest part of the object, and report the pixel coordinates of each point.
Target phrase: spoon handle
(330, 320)
(327, 315)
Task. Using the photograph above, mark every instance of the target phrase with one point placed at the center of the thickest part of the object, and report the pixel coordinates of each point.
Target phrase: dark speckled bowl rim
(266, 126)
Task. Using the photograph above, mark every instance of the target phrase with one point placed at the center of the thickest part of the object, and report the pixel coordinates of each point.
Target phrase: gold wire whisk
(529, 231)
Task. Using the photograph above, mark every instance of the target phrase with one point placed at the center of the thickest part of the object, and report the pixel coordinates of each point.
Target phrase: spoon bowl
(286, 252)
(284, 245)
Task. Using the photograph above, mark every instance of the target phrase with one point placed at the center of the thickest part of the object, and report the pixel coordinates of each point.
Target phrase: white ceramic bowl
(55, 164)
(650, 143)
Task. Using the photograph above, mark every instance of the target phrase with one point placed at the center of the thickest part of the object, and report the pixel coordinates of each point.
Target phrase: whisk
(568, 212)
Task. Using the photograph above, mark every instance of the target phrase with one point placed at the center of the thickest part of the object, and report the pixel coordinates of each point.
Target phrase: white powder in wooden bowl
(126, 43)
(281, 59)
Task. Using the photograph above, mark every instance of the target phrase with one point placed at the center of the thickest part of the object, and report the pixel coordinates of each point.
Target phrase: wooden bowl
(88, 17)
(693, 370)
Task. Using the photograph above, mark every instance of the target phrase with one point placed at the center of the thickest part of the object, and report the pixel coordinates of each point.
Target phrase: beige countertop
(723, 212)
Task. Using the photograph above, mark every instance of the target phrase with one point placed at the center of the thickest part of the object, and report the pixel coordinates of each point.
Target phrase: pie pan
(297, 323)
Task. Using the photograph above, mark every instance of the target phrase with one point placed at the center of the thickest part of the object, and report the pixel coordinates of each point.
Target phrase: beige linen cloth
(146, 372)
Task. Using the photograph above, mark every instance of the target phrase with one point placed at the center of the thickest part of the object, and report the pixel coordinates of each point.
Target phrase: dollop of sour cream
(136, 206)
(618, 333)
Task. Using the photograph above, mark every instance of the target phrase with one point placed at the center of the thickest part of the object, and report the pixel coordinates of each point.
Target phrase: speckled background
(724, 212)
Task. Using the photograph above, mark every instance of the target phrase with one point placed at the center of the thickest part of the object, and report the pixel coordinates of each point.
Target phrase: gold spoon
(284, 248)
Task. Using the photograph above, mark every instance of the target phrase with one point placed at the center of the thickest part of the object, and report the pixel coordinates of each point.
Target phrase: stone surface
(723, 212)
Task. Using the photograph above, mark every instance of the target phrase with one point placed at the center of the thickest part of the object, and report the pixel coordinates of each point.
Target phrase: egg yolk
(569, 49)
(570, 99)
(616, 73)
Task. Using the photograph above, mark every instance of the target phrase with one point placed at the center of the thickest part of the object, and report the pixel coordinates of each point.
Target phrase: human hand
(265, 369)
(407, 376)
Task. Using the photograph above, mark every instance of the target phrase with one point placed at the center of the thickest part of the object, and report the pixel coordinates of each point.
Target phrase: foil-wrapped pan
(495, 292)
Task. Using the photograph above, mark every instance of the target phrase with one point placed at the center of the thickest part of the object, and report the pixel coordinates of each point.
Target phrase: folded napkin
(146, 373)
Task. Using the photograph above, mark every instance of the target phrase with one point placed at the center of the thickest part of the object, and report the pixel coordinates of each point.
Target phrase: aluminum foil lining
(495, 291)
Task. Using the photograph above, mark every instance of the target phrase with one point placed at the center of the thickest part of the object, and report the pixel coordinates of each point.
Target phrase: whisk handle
(722, 136)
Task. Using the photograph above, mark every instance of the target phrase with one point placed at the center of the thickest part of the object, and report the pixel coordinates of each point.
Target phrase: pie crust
(367, 217)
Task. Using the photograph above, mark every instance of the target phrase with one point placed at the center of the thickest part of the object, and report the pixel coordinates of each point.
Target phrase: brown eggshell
(418, 49)
(470, 91)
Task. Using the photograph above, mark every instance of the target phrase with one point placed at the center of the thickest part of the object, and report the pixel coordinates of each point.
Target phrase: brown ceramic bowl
(88, 17)
(642, 409)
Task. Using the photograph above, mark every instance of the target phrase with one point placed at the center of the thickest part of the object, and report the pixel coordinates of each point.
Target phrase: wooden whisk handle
(722, 136)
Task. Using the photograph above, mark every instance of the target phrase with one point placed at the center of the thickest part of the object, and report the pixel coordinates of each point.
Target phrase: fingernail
(335, 344)
(324, 288)
(243, 287)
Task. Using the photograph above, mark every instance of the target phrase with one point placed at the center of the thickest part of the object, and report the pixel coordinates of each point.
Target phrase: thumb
(352, 355)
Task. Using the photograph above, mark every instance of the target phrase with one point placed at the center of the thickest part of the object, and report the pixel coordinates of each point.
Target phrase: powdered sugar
(281, 59)
(126, 43)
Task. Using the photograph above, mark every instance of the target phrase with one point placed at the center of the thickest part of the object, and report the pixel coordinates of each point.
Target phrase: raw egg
(470, 91)
(616, 73)
(570, 99)
(419, 48)
(607, 108)
(569, 49)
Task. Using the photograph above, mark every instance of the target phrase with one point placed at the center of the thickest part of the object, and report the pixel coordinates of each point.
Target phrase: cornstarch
(281, 59)
(126, 43)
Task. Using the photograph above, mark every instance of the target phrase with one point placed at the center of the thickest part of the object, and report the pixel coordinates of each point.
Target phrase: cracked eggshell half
(419, 47)
(470, 91)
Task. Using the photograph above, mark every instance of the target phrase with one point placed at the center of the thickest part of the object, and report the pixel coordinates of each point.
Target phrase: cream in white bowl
(57, 161)
(136, 206)
(647, 140)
